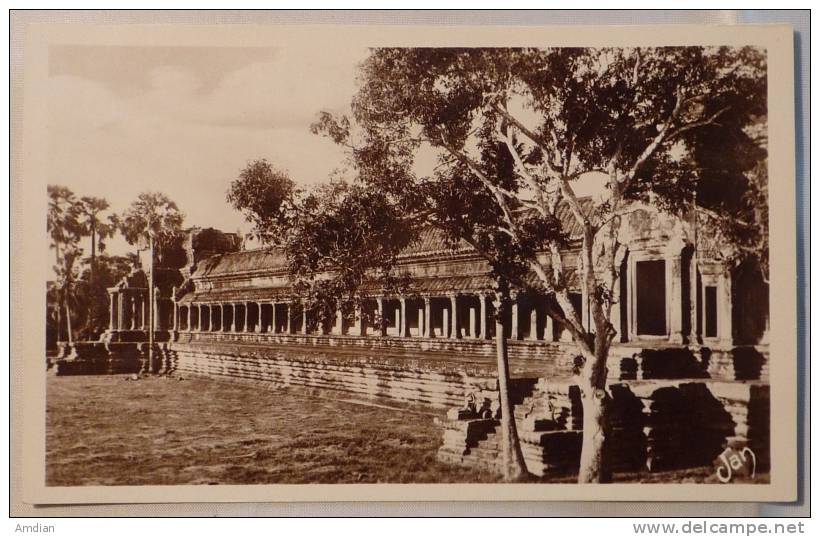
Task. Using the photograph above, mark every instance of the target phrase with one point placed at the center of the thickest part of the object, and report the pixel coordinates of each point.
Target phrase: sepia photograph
(360, 261)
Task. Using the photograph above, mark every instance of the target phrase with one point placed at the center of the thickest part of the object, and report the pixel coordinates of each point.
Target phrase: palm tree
(99, 228)
(151, 221)
(64, 229)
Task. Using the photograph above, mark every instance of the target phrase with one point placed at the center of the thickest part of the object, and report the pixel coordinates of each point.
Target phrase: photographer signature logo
(732, 462)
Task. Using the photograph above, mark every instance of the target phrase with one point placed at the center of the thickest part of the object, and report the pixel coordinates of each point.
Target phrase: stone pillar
(380, 312)
(111, 311)
(157, 317)
(120, 311)
(144, 313)
(174, 311)
(272, 318)
(339, 329)
(674, 296)
(482, 320)
(132, 318)
(455, 329)
(404, 330)
(534, 323)
(514, 331)
(694, 287)
(289, 320)
(247, 324)
(585, 321)
(724, 310)
(615, 312)
(428, 319)
(258, 326)
(359, 327)
(304, 320)
(190, 316)
(549, 330)
(471, 332)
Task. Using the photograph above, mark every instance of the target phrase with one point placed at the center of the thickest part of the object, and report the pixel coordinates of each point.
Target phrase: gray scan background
(799, 19)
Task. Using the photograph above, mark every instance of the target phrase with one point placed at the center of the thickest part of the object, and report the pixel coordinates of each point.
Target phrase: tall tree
(99, 227)
(151, 221)
(66, 232)
(639, 119)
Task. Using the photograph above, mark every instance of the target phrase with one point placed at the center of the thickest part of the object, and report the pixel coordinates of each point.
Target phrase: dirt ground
(108, 430)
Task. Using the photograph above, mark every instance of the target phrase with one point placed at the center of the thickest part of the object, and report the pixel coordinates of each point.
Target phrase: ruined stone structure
(688, 370)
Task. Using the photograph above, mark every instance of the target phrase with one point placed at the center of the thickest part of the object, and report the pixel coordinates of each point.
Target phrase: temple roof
(431, 242)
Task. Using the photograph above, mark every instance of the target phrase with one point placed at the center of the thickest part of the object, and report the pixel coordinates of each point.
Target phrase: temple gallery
(692, 341)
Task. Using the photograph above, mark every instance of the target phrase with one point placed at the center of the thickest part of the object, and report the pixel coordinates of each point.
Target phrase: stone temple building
(692, 341)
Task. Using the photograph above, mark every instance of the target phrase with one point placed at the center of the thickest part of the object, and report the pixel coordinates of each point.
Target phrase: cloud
(189, 142)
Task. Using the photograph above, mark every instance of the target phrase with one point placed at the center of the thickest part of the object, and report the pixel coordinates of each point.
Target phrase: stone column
(428, 318)
(157, 317)
(257, 328)
(304, 320)
(111, 313)
(190, 316)
(132, 318)
(247, 325)
(615, 312)
(694, 287)
(273, 317)
(471, 333)
(585, 307)
(514, 331)
(724, 310)
(340, 320)
(674, 297)
(176, 316)
(534, 323)
(359, 327)
(120, 311)
(380, 310)
(549, 330)
(482, 321)
(144, 313)
(455, 329)
(289, 327)
(404, 330)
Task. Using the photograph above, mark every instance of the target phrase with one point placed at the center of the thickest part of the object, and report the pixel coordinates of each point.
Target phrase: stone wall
(672, 407)
(434, 380)
(656, 425)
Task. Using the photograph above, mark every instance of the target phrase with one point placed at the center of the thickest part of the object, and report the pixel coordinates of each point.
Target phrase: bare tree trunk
(67, 315)
(151, 312)
(594, 467)
(92, 304)
(595, 464)
(515, 468)
(59, 316)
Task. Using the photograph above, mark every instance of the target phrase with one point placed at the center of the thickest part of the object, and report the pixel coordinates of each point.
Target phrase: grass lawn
(106, 430)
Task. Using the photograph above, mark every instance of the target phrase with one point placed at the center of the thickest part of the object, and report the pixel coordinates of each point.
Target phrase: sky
(185, 121)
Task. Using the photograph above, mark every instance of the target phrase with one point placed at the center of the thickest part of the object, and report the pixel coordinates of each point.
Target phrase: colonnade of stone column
(452, 316)
(128, 310)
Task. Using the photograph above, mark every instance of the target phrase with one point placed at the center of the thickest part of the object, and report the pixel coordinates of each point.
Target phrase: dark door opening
(650, 297)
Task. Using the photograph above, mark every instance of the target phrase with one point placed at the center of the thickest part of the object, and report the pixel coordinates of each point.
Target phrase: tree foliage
(511, 133)
(151, 216)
